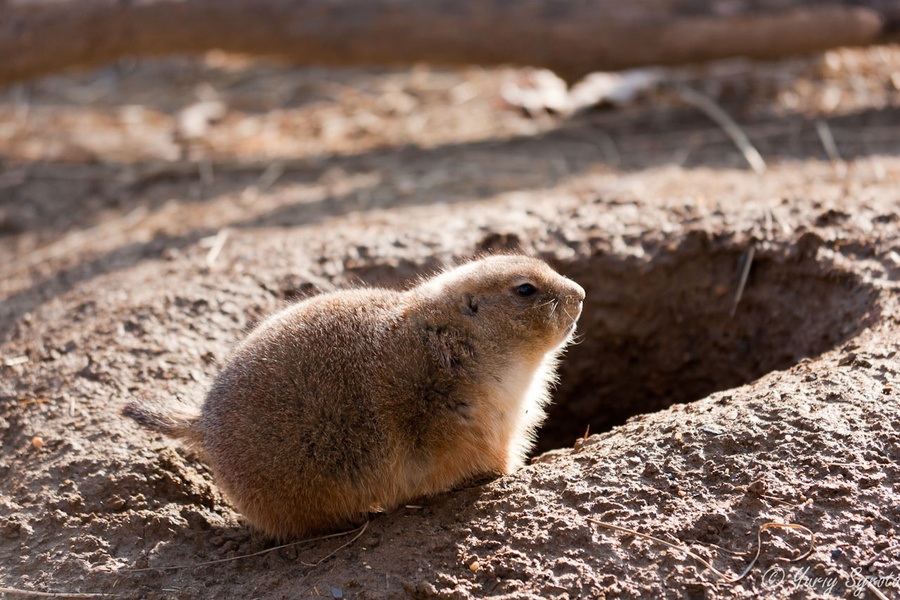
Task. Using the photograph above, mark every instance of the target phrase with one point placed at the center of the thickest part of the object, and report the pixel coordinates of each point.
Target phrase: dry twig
(360, 530)
(218, 243)
(717, 114)
(827, 139)
(877, 556)
(18, 592)
(768, 217)
(745, 273)
(868, 584)
(272, 174)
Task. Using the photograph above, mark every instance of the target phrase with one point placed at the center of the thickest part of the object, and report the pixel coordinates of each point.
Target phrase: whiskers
(569, 315)
(553, 302)
(577, 338)
(563, 305)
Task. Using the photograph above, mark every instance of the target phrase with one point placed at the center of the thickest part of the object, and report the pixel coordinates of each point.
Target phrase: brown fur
(363, 399)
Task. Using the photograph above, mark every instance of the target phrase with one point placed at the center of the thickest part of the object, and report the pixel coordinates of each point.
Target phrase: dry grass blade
(268, 172)
(720, 548)
(827, 140)
(18, 592)
(360, 530)
(877, 593)
(217, 245)
(866, 583)
(272, 174)
(812, 538)
(745, 273)
(599, 139)
(686, 551)
(607, 145)
(704, 562)
(717, 114)
(872, 560)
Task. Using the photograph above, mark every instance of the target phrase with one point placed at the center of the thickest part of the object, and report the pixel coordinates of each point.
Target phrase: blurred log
(571, 37)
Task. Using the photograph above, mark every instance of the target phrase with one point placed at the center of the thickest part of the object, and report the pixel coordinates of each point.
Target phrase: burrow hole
(662, 332)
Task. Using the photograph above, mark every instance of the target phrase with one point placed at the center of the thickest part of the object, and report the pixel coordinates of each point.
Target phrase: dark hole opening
(661, 333)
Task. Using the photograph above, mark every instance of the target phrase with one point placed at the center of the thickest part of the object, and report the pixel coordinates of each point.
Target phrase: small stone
(847, 359)
(336, 593)
(37, 442)
(758, 487)
(475, 565)
(116, 503)
(712, 429)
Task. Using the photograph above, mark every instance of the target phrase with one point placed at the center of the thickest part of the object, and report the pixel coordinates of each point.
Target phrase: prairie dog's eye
(526, 289)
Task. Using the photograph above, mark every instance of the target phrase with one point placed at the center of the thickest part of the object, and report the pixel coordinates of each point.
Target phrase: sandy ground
(151, 212)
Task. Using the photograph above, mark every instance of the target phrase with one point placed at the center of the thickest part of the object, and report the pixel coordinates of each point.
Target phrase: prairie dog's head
(513, 299)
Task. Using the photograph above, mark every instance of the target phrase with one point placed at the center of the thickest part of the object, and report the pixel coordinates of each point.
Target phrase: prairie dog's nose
(574, 297)
(577, 291)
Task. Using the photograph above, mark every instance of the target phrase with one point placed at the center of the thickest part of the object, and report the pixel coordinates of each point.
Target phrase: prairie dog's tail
(172, 417)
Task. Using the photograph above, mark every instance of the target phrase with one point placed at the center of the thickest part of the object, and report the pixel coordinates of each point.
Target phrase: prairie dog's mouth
(578, 313)
(568, 318)
(570, 310)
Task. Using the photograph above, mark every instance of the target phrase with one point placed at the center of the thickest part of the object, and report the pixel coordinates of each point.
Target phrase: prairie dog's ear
(469, 304)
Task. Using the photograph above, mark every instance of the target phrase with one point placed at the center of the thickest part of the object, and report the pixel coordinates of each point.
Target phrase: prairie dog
(360, 400)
